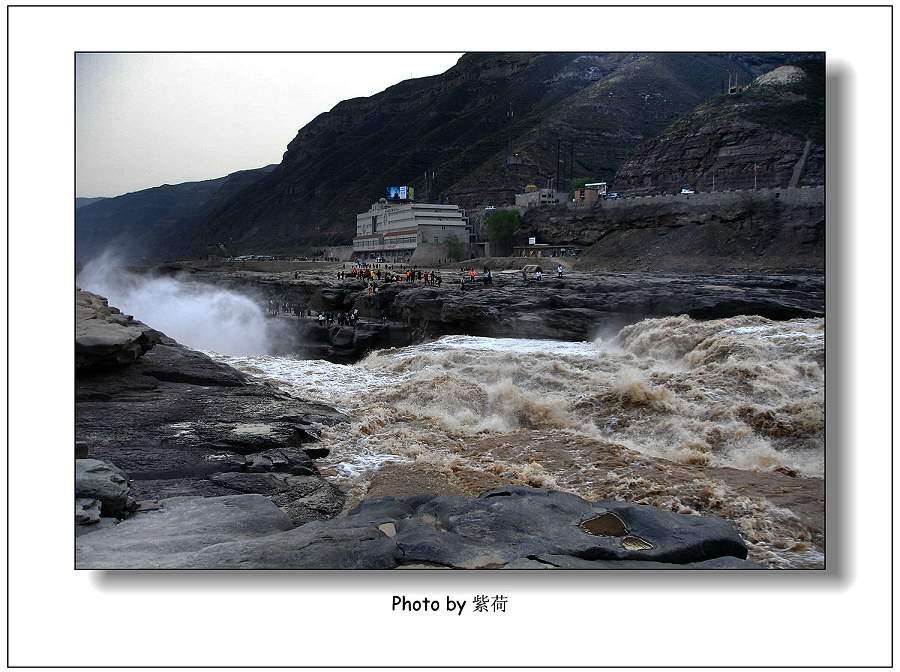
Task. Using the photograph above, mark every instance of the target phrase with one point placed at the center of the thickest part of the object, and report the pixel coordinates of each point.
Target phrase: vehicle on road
(612, 195)
(685, 190)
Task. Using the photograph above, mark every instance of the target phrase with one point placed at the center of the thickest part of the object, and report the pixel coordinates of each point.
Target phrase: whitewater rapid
(696, 416)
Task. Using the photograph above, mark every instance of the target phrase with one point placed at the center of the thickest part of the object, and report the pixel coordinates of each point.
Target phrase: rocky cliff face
(769, 135)
(750, 231)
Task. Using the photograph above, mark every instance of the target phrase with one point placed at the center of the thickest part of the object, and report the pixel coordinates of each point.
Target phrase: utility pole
(558, 142)
(755, 173)
(714, 180)
(509, 120)
(571, 161)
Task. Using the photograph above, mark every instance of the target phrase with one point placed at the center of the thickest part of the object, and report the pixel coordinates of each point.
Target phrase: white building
(394, 231)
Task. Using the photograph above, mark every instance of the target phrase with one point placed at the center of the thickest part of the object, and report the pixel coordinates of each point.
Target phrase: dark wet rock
(179, 487)
(104, 482)
(105, 337)
(503, 525)
(160, 426)
(285, 460)
(344, 344)
(303, 498)
(317, 452)
(265, 484)
(325, 502)
(177, 364)
(514, 527)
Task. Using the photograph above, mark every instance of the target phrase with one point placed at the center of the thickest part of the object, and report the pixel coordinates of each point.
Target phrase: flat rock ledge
(515, 528)
(105, 337)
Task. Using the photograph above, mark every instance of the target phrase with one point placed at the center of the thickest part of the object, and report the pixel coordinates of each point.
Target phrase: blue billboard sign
(403, 193)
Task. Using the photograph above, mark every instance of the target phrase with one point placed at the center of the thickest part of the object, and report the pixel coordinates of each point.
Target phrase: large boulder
(507, 524)
(104, 482)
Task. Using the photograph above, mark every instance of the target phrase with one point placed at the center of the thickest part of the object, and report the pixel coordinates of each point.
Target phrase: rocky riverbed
(578, 307)
(183, 461)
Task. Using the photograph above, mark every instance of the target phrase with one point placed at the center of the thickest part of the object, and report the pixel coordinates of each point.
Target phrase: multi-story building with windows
(393, 231)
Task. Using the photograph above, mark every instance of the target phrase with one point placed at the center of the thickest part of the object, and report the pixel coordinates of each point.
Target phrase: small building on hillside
(393, 231)
(590, 193)
(539, 198)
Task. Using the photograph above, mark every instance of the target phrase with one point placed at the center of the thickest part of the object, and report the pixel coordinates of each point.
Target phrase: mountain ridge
(145, 224)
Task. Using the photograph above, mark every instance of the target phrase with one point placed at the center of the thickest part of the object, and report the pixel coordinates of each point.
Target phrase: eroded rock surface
(514, 527)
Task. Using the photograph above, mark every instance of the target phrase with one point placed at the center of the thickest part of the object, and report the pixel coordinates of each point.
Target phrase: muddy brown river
(722, 417)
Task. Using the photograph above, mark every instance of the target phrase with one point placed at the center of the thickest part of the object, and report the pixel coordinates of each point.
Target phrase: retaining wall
(791, 196)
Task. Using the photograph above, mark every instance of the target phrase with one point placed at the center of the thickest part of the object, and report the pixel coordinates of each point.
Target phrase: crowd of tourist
(377, 276)
(374, 273)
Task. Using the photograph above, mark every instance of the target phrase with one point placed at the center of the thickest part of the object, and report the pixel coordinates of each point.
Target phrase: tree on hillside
(454, 248)
(501, 227)
(756, 208)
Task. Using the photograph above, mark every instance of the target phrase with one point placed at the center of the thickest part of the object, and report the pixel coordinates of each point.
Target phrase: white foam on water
(366, 463)
(510, 345)
(316, 379)
(204, 317)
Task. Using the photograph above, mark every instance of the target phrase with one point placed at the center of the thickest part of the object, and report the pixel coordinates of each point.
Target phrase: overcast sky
(148, 119)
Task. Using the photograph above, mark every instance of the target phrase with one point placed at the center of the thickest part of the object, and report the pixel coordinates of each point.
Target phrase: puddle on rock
(610, 525)
(607, 524)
